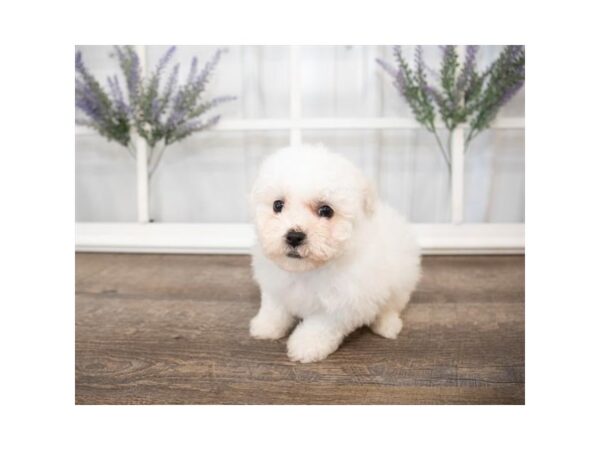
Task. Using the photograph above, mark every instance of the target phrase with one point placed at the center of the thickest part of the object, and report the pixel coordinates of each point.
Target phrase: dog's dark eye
(277, 206)
(325, 211)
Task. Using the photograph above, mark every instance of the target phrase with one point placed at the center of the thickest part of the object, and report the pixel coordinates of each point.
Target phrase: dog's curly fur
(357, 267)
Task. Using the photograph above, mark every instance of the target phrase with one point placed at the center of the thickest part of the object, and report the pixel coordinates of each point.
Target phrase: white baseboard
(237, 238)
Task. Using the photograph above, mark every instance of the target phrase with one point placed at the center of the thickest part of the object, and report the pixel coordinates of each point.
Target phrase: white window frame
(455, 237)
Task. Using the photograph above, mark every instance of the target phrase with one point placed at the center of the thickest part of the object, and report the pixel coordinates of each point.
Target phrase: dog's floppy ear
(369, 197)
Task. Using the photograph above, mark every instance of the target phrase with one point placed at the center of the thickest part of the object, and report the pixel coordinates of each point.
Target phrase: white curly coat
(358, 267)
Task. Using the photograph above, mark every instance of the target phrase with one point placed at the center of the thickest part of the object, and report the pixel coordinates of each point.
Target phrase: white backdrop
(206, 177)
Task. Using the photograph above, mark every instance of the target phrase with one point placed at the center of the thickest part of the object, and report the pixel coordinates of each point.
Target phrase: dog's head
(307, 202)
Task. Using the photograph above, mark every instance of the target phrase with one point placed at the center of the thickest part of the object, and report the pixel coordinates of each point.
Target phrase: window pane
(100, 61)
(495, 177)
(339, 81)
(346, 81)
(408, 169)
(257, 75)
(105, 183)
(207, 178)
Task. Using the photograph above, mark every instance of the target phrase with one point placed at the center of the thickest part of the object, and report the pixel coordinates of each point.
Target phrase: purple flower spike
(134, 75)
(468, 69)
(164, 60)
(117, 96)
(436, 95)
(387, 67)
(223, 99)
(79, 67)
(193, 69)
(169, 87)
(421, 77)
(208, 68)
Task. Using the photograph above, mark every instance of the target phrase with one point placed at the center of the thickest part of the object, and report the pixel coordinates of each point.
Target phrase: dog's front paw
(265, 327)
(387, 325)
(308, 345)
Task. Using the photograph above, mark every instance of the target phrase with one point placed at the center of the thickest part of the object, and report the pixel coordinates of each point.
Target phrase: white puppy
(329, 253)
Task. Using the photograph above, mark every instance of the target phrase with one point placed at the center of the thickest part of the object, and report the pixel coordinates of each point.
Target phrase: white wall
(206, 178)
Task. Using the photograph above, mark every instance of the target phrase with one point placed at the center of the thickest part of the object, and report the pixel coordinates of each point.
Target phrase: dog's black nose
(295, 238)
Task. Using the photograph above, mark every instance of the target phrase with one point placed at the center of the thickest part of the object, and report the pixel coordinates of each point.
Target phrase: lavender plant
(161, 115)
(462, 94)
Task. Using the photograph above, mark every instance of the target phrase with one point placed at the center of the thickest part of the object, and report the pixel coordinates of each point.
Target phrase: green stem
(441, 146)
(154, 166)
(470, 137)
(131, 150)
(150, 154)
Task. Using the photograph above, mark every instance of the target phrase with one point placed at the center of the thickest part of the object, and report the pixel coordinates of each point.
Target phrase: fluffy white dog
(329, 253)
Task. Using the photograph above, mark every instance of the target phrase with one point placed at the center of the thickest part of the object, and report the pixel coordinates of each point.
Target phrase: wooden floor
(173, 329)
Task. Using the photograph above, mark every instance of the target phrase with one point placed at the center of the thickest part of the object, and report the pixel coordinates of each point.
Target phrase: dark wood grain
(173, 329)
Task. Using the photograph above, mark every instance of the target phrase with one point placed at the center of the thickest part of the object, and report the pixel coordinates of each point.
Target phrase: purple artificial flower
(419, 58)
(147, 101)
(387, 67)
(130, 64)
(421, 77)
(436, 95)
(164, 60)
(514, 52)
(448, 52)
(193, 69)
(117, 96)
(79, 66)
(223, 99)
(134, 76)
(400, 75)
(510, 93)
(155, 108)
(177, 113)
(208, 68)
(87, 102)
(193, 126)
(199, 124)
(168, 91)
(468, 68)
(85, 98)
(396, 74)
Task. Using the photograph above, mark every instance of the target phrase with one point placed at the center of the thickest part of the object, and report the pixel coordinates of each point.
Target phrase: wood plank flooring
(173, 329)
